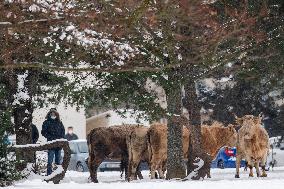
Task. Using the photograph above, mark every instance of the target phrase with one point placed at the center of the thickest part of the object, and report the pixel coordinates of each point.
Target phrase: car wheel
(220, 164)
(79, 167)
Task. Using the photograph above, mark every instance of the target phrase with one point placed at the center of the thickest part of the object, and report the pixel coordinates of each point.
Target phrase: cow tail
(91, 157)
(149, 146)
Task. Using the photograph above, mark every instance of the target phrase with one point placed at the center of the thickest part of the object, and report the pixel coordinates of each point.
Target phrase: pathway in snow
(221, 179)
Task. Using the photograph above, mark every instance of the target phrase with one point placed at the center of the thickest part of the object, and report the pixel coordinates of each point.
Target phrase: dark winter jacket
(71, 137)
(35, 134)
(52, 129)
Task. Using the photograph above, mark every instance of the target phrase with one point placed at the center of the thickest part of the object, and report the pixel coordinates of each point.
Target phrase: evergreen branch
(89, 69)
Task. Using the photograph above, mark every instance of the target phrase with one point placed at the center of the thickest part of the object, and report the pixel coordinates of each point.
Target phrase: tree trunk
(196, 155)
(21, 111)
(23, 122)
(175, 164)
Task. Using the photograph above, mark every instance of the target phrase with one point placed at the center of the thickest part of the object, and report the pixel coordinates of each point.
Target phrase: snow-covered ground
(221, 179)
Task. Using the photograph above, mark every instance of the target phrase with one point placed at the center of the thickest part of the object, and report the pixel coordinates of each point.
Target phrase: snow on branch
(44, 6)
(95, 42)
(59, 173)
(22, 91)
(194, 173)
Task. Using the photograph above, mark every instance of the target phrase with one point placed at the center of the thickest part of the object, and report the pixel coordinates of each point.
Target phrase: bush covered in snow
(8, 172)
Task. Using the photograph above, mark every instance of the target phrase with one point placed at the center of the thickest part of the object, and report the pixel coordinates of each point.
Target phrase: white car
(276, 153)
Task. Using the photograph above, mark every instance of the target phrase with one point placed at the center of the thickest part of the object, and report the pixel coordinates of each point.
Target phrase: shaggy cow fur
(213, 138)
(253, 144)
(108, 142)
(137, 143)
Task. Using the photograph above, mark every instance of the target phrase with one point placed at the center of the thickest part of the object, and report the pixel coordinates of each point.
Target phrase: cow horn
(260, 115)
(236, 117)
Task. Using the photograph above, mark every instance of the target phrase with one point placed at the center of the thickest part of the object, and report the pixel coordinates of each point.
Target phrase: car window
(281, 146)
(83, 147)
(72, 147)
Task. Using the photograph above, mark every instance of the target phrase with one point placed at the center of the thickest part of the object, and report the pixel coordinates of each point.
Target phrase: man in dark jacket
(53, 129)
(70, 135)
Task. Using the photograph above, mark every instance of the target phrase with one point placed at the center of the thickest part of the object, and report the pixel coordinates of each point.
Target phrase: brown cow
(158, 148)
(213, 138)
(108, 142)
(216, 136)
(253, 144)
(137, 143)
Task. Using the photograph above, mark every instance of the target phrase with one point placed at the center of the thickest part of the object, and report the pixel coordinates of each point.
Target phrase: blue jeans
(51, 154)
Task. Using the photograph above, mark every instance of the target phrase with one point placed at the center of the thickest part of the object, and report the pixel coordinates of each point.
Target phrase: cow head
(232, 135)
(249, 120)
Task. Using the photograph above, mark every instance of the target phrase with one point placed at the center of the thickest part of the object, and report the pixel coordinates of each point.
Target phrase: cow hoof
(130, 179)
(257, 174)
(237, 176)
(264, 175)
(250, 175)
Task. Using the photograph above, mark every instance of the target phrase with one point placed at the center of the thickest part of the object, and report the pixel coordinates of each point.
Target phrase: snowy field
(221, 179)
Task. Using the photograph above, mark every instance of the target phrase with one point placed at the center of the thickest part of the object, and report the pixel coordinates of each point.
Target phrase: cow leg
(160, 170)
(131, 176)
(93, 164)
(208, 174)
(263, 171)
(250, 170)
(164, 168)
(153, 170)
(238, 164)
(153, 167)
(161, 173)
(262, 164)
(124, 165)
(251, 162)
(138, 172)
(134, 169)
(256, 165)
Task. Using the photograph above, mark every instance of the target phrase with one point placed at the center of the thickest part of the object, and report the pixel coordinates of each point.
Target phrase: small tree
(8, 172)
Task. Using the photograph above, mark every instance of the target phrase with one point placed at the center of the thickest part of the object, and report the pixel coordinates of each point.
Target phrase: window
(72, 148)
(83, 147)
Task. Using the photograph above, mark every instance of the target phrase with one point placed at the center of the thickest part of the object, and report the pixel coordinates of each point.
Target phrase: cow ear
(257, 120)
(233, 127)
(230, 126)
(239, 121)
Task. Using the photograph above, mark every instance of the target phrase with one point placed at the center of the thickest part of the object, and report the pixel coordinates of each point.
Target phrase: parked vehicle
(276, 154)
(226, 158)
(80, 154)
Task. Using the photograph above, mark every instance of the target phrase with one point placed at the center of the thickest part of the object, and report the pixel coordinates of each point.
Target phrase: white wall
(69, 117)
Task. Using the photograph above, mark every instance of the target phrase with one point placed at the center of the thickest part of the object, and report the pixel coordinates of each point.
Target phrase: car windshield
(72, 148)
(83, 147)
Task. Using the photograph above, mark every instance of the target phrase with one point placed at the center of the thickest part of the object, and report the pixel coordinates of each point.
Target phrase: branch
(89, 69)
(46, 146)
